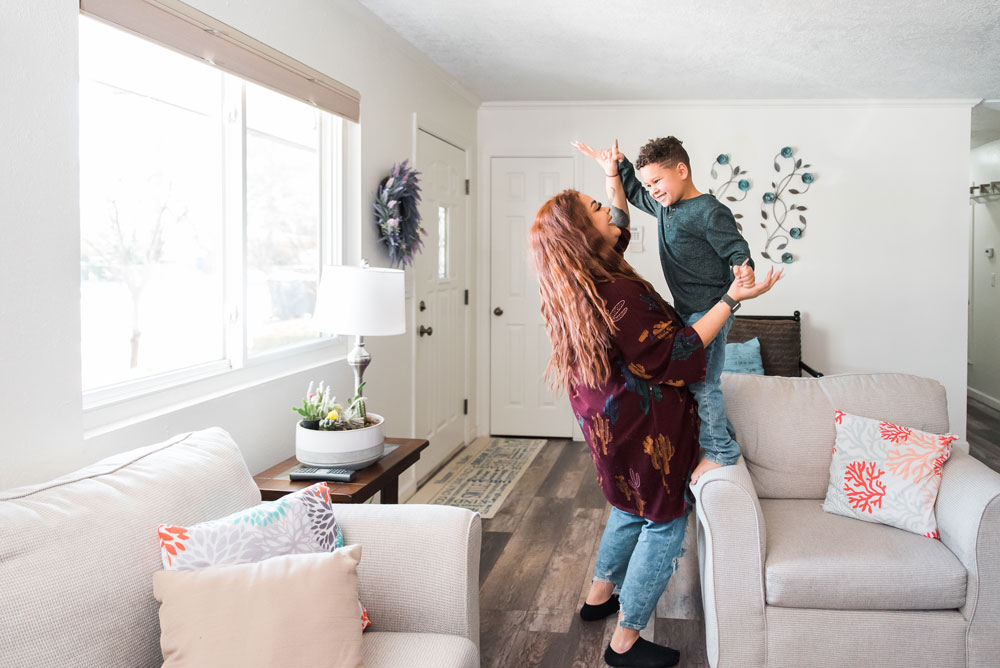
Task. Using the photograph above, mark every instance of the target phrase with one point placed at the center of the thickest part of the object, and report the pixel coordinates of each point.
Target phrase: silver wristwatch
(731, 303)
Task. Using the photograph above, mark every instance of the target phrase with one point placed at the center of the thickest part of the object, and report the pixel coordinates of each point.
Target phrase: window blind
(183, 28)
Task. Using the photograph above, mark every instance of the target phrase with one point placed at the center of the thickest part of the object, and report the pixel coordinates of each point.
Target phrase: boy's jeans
(638, 556)
(717, 437)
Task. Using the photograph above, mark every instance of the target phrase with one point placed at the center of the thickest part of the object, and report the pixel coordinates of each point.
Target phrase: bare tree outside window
(124, 255)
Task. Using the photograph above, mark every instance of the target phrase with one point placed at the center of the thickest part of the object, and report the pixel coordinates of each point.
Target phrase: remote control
(316, 473)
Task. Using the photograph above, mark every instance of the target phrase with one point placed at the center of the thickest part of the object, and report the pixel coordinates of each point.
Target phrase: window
(283, 209)
(208, 205)
(444, 224)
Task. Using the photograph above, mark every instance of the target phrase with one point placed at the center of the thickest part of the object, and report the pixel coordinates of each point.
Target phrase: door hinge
(466, 297)
(467, 187)
(465, 407)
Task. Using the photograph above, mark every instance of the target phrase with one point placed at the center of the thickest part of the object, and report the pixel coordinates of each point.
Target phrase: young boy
(701, 250)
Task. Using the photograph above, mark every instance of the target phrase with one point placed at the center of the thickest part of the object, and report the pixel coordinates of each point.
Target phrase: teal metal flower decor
(776, 200)
(742, 185)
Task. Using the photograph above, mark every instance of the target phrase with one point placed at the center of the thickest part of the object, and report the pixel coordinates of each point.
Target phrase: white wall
(40, 249)
(40, 398)
(882, 274)
(984, 315)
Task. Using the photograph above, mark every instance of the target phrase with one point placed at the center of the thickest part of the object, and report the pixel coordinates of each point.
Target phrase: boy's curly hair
(665, 151)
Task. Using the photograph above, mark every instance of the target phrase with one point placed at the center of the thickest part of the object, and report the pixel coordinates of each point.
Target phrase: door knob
(498, 311)
(426, 330)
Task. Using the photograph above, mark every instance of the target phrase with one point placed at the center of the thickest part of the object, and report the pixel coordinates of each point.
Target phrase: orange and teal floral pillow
(297, 523)
(886, 473)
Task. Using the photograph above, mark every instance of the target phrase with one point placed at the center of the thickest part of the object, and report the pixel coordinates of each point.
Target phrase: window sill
(100, 418)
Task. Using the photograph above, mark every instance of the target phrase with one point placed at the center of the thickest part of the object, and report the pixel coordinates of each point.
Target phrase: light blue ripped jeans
(717, 438)
(638, 556)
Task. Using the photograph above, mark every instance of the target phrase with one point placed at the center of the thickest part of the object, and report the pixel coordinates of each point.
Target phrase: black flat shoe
(643, 654)
(591, 613)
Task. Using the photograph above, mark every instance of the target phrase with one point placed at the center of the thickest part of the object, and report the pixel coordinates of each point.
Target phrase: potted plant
(331, 435)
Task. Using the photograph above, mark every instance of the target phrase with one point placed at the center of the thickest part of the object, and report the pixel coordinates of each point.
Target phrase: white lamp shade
(361, 301)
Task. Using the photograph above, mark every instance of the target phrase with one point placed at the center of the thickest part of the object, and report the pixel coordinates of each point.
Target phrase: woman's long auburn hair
(571, 258)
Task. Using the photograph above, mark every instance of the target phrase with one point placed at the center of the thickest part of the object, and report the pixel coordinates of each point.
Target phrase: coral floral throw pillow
(885, 473)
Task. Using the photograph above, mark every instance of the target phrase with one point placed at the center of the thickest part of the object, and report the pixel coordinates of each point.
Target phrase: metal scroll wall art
(783, 220)
(780, 230)
(736, 183)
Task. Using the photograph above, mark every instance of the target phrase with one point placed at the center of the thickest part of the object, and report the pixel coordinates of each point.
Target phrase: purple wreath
(397, 214)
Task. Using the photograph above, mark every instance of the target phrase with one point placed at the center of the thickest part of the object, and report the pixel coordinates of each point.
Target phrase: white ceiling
(538, 50)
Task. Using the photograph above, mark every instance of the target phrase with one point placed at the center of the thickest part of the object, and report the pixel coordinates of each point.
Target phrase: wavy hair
(666, 151)
(571, 258)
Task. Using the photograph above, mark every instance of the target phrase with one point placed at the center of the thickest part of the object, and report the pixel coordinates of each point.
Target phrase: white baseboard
(992, 402)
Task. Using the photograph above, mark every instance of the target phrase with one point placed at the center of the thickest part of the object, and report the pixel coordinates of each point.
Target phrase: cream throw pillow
(292, 610)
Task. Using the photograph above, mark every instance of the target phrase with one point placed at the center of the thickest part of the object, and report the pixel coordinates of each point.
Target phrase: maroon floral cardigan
(642, 424)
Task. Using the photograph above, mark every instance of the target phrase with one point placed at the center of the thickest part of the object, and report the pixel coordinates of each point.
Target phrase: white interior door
(439, 294)
(521, 403)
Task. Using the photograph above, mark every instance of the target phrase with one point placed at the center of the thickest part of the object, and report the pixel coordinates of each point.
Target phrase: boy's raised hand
(607, 158)
(744, 274)
(740, 292)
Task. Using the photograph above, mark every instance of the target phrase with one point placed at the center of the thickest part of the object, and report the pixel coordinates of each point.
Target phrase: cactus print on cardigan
(297, 523)
(642, 424)
(886, 473)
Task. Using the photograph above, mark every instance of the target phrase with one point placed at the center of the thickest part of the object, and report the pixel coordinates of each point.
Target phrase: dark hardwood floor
(537, 559)
(983, 433)
(538, 556)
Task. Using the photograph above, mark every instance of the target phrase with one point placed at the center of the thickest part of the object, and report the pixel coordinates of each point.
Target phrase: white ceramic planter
(350, 449)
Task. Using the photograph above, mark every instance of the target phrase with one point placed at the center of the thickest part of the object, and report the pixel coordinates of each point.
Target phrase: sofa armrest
(419, 566)
(968, 517)
(731, 545)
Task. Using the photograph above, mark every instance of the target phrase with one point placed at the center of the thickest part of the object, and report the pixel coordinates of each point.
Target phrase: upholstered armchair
(786, 584)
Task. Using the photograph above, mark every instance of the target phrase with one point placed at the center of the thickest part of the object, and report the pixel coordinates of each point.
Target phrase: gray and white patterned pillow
(297, 523)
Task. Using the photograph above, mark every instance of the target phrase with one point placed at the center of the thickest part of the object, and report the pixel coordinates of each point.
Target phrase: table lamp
(360, 301)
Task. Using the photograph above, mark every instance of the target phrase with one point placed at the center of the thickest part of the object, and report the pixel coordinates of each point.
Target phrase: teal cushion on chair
(744, 357)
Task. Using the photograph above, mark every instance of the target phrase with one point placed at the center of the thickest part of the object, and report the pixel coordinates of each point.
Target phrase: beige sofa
(786, 584)
(77, 556)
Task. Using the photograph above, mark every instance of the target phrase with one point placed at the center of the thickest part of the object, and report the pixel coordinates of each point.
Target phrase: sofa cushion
(78, 553)
(263, 614)
(786, 433)
(302, 521)
(885, 473)
(386, 649)
(297, 523)
(744, 357)
(818, 560)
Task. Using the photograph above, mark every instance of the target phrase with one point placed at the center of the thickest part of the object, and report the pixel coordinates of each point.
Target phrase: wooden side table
(382, 476)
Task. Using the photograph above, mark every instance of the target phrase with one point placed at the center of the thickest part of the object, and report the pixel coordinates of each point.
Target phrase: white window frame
(112, 406)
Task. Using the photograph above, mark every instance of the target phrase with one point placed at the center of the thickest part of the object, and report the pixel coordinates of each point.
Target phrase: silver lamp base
(359, 359)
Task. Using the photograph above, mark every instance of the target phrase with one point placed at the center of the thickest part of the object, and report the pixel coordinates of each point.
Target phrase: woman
(625, 358)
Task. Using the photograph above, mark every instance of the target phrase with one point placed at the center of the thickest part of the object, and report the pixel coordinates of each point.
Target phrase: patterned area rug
(482, 475)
